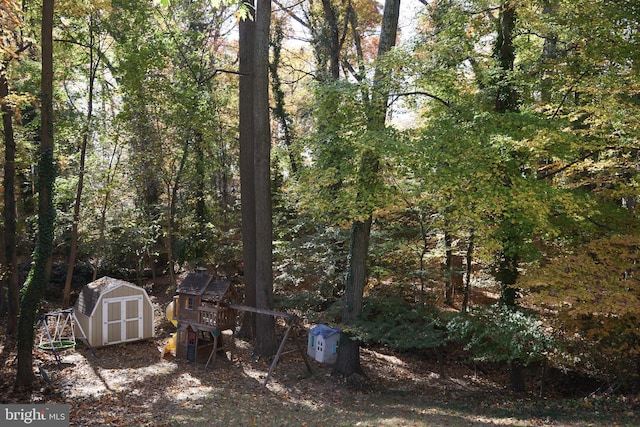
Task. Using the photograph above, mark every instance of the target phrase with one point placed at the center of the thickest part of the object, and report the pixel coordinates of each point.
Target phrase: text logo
(54, 415)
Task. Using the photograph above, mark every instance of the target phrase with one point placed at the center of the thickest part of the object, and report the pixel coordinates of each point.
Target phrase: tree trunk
(333, 36)
(549, 53)
(506, 95)
(516, 376)
(114, 161)
(10, 251)
(172, 192)
(247, 180)
(466, 291)
(507, 275)
(266, 344)
(201, 217)
(278, 96)
(506, 101)
(348, 361)
(36, 281)
(86, 134)
(448, 291)
(507, 260)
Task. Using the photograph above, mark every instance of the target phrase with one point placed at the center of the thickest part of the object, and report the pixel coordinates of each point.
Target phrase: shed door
(121, 319)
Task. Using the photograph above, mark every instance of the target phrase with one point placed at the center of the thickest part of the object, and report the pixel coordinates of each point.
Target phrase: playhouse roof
(324, 331)
(91, 293)
(203, 284)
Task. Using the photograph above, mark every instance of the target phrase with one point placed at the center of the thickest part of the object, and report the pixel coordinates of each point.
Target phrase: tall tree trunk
(332, 35)
(278, 95)
(201, 217)
(266, 344)
(348, 360)
(506, 101)
(86, 134)
(247, 180)
(516, 377)
(172, 192)
(36, 281)
(507, 260)
(10, 251)
(506, 95)
(448, 291)
(549, 53)
(466, 291)
(114, 161)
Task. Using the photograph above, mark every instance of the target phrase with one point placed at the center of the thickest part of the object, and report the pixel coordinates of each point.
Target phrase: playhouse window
(188, 303)
(183, 337)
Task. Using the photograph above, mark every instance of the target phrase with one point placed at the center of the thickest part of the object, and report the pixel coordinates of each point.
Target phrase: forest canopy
(485, 146)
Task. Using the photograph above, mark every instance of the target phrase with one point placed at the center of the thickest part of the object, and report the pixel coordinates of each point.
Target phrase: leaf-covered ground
(131, 385)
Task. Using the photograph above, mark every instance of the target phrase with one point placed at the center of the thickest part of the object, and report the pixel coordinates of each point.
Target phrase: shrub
(401, 325)
(500, 334)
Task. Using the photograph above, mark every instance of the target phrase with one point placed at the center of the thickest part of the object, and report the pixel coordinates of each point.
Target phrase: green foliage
(339, 185)
(502, 334)
(309, 263)
(594, 291)
(394, 322)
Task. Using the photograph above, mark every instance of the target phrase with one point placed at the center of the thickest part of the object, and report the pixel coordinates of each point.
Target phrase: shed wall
(93, 326)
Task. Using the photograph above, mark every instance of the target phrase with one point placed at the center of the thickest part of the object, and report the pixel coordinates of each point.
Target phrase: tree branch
(287, 10)
(566, 94)
(427, 94)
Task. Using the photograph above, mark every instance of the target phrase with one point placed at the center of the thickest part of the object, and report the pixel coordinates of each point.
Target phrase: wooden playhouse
(202, 309)
(112, 311)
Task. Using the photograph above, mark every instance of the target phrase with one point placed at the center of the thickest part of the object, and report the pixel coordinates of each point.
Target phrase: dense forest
(371, 165)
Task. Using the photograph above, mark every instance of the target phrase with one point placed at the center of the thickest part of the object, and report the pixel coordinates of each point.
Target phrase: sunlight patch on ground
(390, 359)
(292, 397)
(256, 374)
(97, 381)
(185, 388)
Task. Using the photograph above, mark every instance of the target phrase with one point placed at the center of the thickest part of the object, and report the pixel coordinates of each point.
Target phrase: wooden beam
(262, 311)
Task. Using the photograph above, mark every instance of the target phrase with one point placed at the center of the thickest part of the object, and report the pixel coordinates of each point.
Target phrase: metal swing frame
(63, 320)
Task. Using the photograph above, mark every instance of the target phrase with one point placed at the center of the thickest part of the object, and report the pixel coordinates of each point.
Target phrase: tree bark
(86, 134)
(333, 37)
(516, 376)
(549, 53)
(10, 251)
(348, 360)
(466, 291)
(114, 161)
(266, 344)
(448, 291)
(36, 281)
(506, 101)
(247, 180)
(278, 96)
(506, 94)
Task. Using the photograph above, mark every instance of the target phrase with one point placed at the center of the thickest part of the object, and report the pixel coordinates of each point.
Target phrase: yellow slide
(173, 341)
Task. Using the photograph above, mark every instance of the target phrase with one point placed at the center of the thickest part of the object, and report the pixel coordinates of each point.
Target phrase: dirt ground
(132, 385)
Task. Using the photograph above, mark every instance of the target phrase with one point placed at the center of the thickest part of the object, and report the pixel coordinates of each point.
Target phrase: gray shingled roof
(91, 293)
(195, 283)
(203, 284)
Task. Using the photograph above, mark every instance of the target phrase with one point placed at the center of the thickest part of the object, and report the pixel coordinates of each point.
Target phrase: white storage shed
(113, 311)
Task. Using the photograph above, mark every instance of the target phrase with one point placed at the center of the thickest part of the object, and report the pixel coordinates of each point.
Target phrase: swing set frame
(57, 332)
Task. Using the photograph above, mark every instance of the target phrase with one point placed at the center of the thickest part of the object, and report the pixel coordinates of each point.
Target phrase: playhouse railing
(219, 318)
